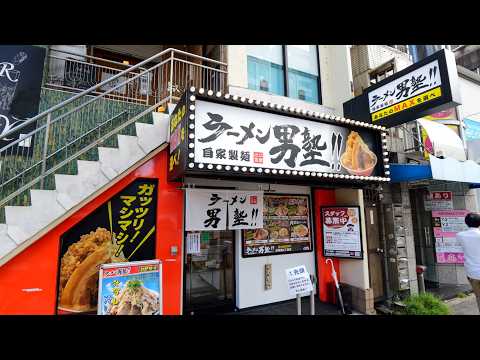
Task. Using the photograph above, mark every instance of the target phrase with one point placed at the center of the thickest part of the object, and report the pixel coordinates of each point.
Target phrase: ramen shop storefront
(256, 179)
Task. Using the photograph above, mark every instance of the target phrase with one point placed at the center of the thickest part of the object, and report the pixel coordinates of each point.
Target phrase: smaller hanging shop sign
(342, 235)
(438, 200)
(219, 209)
(446, 225)
(215, 134)
(424, 88)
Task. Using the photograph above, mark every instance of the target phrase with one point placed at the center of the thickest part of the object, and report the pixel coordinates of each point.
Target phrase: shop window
(266, 70)
(303, 72)
(382, 73)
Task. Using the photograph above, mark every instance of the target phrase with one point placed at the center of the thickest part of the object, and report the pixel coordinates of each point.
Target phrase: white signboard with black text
(342, 232)
(219, 209)
(298, 280)
(244, 139)
(416, 82)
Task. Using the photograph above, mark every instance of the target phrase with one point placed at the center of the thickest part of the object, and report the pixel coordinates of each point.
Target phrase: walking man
(470, 240)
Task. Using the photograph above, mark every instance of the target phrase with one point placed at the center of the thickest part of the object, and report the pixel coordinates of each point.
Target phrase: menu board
(341, 232)
(286, 227)
(446, 225)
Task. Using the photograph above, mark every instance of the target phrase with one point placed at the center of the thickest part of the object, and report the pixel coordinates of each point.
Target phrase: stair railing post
(45, 150)
(171, 77)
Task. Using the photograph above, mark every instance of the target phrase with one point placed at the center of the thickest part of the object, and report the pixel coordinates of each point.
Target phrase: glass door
(209, 274)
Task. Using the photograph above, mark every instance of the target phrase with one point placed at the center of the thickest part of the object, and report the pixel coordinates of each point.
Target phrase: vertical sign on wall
(121, 230)
(21, 73)
(446, 225)
(341, 232)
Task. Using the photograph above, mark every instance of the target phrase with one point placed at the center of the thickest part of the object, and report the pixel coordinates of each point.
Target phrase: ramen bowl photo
(359, 170)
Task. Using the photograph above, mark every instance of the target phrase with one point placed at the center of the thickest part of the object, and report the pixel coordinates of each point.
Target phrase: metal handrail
(95, 87)
(92, 57)
(63, 137)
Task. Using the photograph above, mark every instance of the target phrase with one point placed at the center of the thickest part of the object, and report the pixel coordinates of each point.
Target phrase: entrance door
(209, 274)
(375, 253)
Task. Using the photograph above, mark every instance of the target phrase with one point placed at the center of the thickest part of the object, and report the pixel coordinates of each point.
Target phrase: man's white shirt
(470, 240)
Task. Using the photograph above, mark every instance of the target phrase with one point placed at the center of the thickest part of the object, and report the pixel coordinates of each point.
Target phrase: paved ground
(290, 308)
(448, 291)
(465, 306)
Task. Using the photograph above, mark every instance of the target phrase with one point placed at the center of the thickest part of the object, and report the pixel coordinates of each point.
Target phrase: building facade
(411, 236)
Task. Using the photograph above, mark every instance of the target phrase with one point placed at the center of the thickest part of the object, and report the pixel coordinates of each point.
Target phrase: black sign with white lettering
(218, 135)
(21, 72)
(424, 88)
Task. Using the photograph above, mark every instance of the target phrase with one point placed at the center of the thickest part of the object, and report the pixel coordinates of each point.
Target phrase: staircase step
(171, 107)
(130, 151)
(150, 136)
(25, 219)
(72, 189)
(91, 172)
(45, 202)
(6, 242)
(108, 158)
(160, 118)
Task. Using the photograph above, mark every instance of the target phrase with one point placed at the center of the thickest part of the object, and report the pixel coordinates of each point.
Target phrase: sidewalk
(465, 306)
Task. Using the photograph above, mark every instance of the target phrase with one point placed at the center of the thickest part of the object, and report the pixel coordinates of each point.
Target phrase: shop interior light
(385, 153)
(191, 165)
(295, 172)
(335, 176)
(236, 168)
(257, 102)
(191, 155)
(210, 166)
(209, 92)
(385, 160)
(264, 103)
(242, 99)
(250, 101)
(228, 167)
(274, 171)
(281, 172)
(252, 169)
(192, 89)
(191, 145)
(387, 172)
(271, 105)
(201, 166)
(234, 97)
(259, 170)
(301, 173)
(244, 168)
(219, 167)
(319, 174)
(386, 166)
(201, 90)
(192, 117)
(385, 147)
(267, 171)
(388, 179)
(303, 112)
(277, 106)
(288, 172)
(192, 98)
(192, 107)
(218, 94)
(191, 136)
(330, 176)
(342, 176)
(191, 126)
(307, 173)
(227, 96)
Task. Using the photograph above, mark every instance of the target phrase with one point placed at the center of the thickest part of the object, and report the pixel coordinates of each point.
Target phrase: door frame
(382, 245)
(210, 309)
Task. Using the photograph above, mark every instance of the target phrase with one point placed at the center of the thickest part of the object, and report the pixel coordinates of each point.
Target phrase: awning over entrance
(439, 169)
(445, 141)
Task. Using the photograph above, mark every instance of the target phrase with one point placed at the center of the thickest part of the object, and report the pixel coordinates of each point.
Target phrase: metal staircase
(82, 144)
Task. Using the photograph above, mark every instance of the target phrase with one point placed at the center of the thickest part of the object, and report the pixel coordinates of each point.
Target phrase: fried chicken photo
(79, 270)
